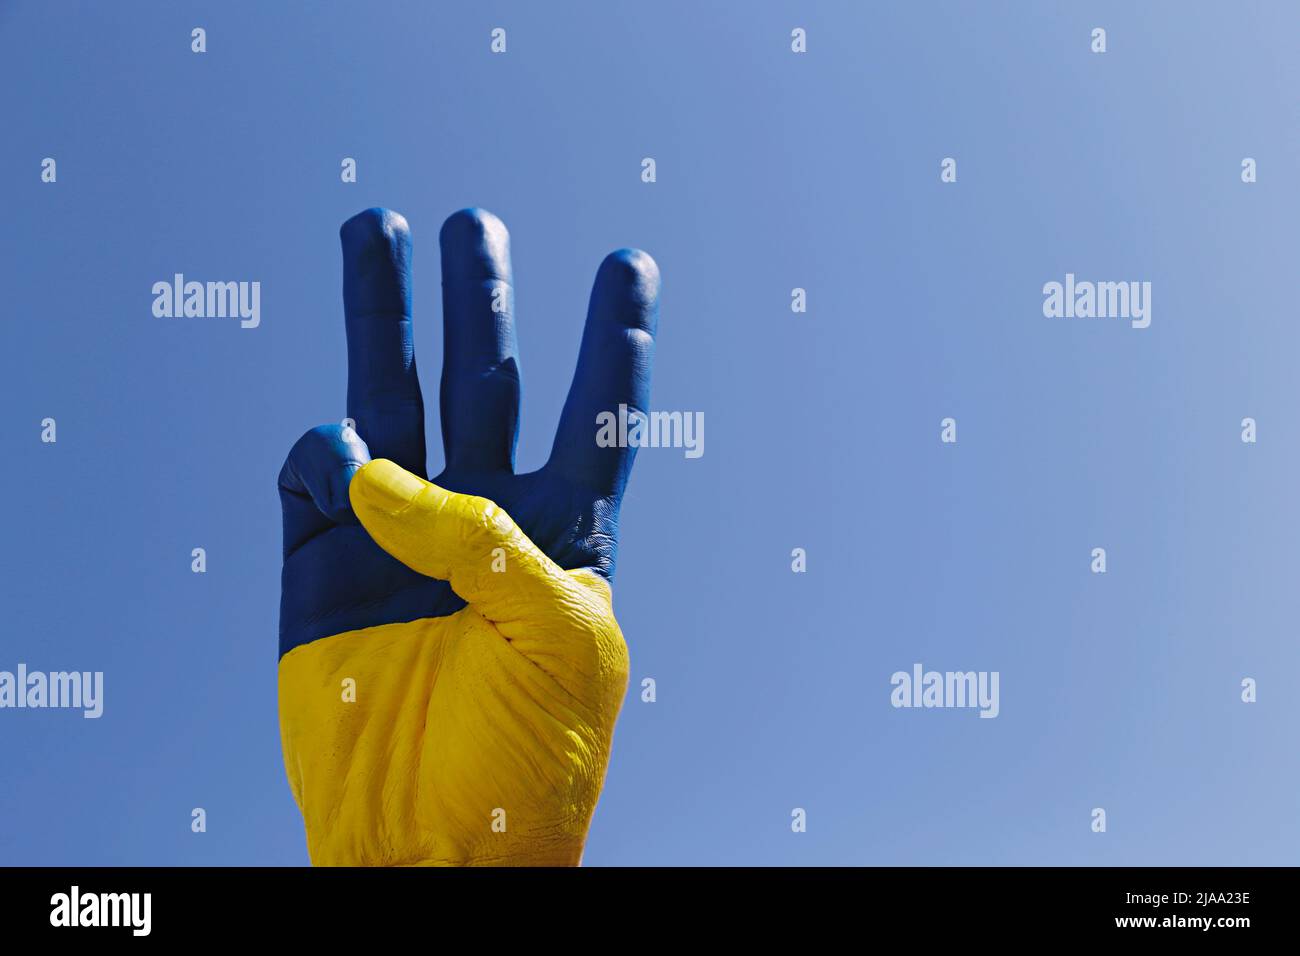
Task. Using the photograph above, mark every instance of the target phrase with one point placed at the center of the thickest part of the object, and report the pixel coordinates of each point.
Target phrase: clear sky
(775, 171)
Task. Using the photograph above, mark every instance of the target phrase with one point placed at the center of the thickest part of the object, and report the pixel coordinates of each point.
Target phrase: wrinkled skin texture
(469, 615)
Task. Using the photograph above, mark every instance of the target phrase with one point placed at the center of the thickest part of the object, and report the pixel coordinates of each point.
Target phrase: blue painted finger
(480, 367)
(383, 388)
(614, 366)
(314, 483)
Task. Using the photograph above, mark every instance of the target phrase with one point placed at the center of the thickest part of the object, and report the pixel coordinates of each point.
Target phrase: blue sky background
(822, 430)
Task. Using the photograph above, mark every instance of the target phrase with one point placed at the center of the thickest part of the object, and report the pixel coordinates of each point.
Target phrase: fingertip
(374, 226)
(476, 233)
(352, 455)
(627, 285)
(384, 486)
(320, 466)
(323, 446)
(376, 263)
(634, 269)
(343, 439)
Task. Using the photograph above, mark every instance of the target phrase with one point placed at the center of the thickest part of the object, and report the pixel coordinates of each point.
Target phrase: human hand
(451, 669)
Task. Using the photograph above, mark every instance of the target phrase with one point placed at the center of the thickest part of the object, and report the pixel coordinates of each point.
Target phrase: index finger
(384, 396)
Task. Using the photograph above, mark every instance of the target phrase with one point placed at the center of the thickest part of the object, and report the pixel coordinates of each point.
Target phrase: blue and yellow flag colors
(451, 669)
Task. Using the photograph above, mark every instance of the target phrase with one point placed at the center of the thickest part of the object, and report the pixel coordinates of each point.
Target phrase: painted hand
(450, 666)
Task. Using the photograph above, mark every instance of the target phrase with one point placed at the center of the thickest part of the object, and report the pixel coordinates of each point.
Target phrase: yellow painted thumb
(463, 539)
